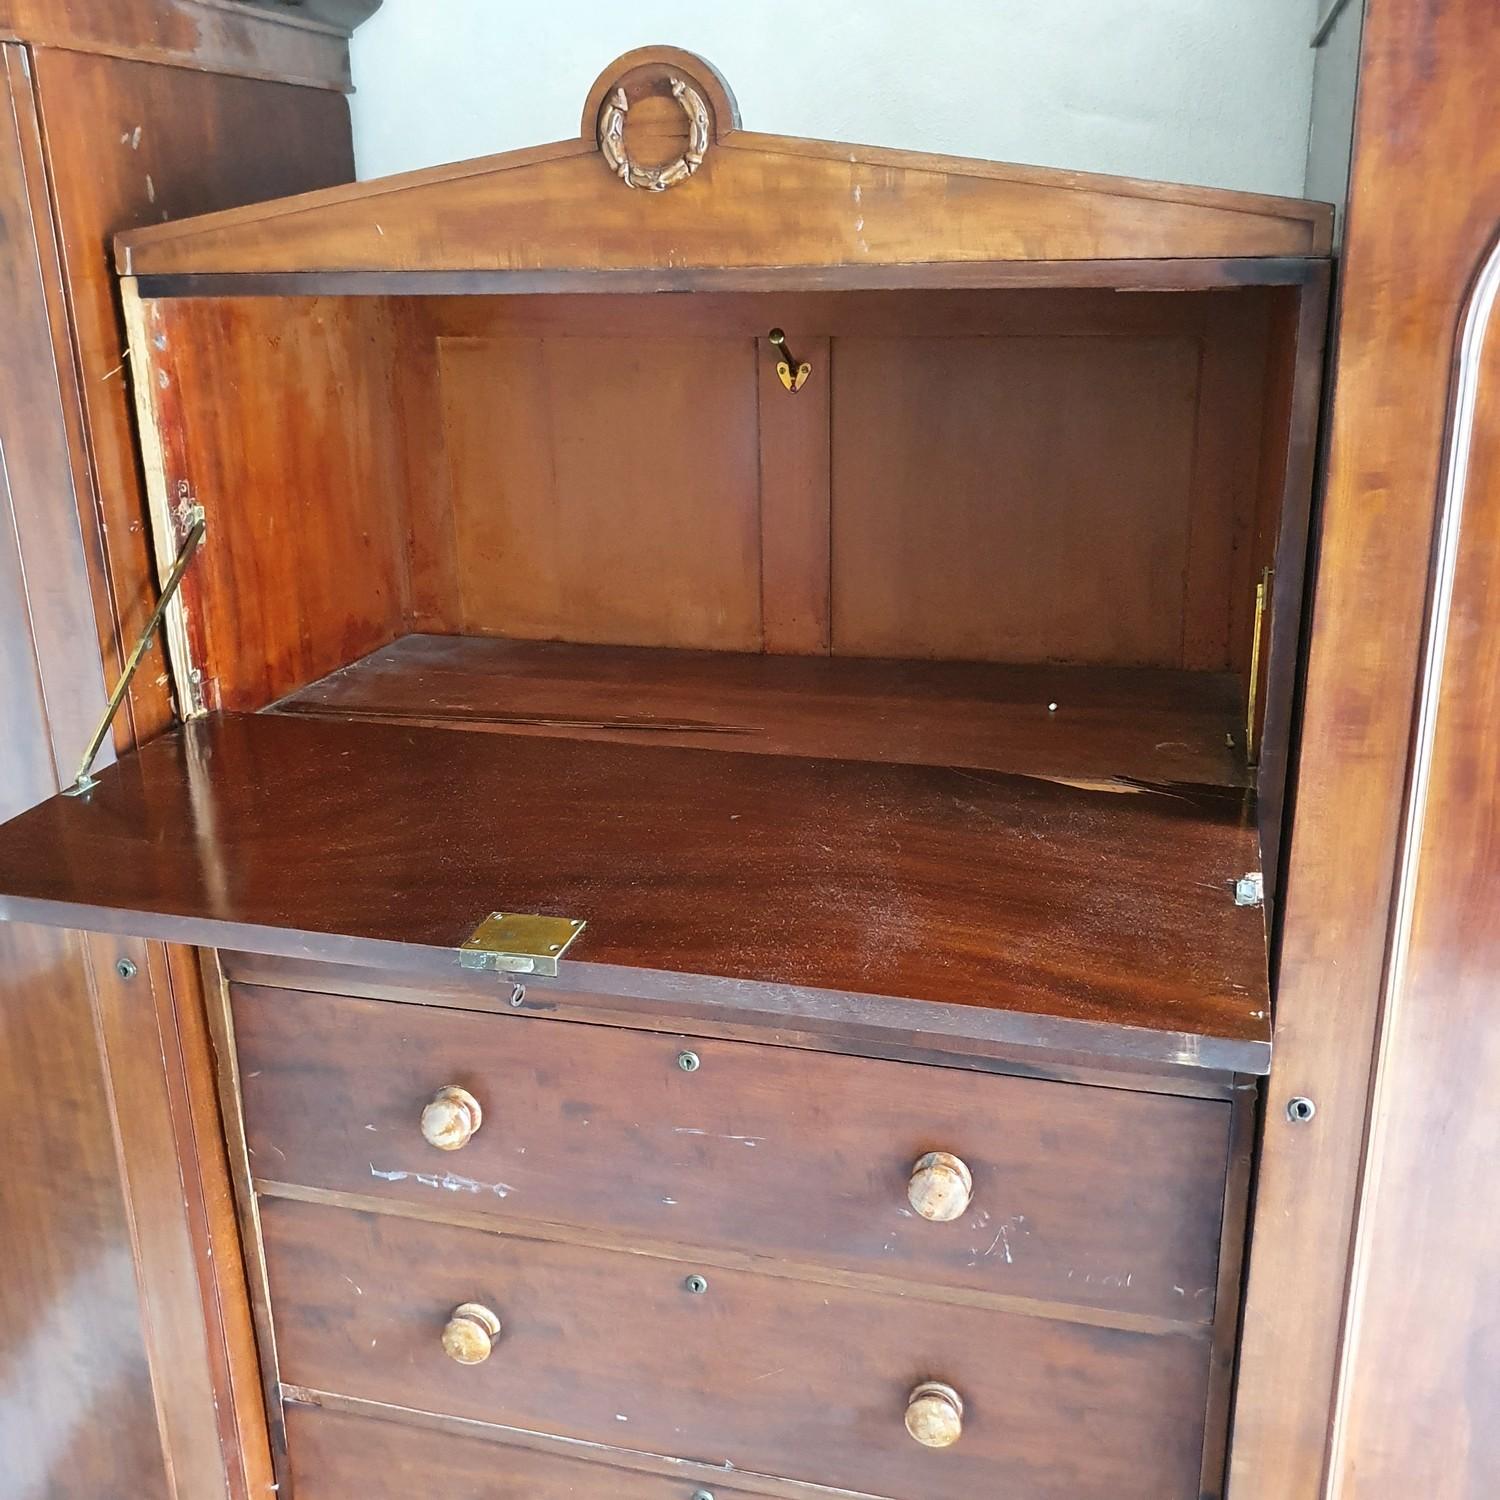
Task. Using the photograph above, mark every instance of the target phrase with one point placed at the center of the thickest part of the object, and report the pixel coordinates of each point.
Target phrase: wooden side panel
(1421, 1381)
(606, 489)
(78, 1418)
(1426, 154)
(788, 1378)
(43, 467)
(301, 475)
(1012, 499)
(159, 143)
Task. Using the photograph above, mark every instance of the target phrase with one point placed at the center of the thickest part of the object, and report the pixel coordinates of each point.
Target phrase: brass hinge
(509, 942)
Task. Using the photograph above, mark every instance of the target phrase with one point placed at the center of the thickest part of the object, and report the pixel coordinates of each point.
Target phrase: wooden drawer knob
(470, 1334)
(451, 1119)
(935, 1414)
(941, 1187)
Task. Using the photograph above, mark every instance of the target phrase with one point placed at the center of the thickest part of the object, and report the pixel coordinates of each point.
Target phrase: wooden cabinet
(118, 1373)
(737, 696)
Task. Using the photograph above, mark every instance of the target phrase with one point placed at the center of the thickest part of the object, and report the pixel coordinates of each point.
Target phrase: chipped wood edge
(185, 673)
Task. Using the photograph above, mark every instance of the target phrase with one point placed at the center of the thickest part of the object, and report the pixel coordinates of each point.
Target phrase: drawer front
(1090, 1196)
(337, 1456)
(760, 1374)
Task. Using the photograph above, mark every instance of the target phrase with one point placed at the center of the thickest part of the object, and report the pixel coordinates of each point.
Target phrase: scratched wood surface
(1039, 720)
(601, 1127)
(770, 1375)
(975, 889)
(336, 1454)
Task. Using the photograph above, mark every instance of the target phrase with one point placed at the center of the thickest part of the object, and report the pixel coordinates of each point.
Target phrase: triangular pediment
(710, 195)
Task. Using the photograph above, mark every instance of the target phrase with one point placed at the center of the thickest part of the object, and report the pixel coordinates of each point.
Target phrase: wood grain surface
(772, 1376)
(601, 1127)
(967, 888)
(335, 1455)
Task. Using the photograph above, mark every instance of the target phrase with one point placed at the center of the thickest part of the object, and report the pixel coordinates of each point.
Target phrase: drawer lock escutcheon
(509, 942)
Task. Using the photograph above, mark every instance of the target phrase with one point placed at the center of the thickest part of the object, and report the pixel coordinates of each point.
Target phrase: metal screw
(1300, 1110)
(689, 1062)
(125, 969)
(696, 1284)
(703, 1495)
(518, 995)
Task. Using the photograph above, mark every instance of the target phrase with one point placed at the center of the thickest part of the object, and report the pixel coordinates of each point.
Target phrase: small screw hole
(696, 1284)
(125, 969)
(689, 1062)
(1300, 1110)
(518, 995)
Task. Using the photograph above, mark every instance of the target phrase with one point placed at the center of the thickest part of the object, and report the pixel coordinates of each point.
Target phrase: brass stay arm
(85, 780)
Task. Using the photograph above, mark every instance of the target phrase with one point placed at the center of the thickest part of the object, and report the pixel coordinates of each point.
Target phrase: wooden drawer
(1081, 1195)
(762, 1374)
(338, 1456)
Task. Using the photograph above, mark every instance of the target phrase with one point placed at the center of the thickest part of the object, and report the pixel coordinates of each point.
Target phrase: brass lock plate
(510, 942)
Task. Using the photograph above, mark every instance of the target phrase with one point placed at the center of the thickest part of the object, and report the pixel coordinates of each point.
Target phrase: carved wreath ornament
(654, 179)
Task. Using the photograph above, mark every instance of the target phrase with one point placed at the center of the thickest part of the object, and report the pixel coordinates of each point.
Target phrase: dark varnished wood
(270, 41)
(600, 1127)
(118, 1336)
(336, 1454)
(75, 1352)
(1150, 725)
(1177, 275)
(1030, 1048)
(136, 165)
(1425, 153)
(973, 889)
(1421, 1378)
(772, 1376)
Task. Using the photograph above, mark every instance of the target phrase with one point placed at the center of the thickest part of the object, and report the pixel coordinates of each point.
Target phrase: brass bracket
(509, 942)
(1252, 700)
(85, 780)
(790, 371)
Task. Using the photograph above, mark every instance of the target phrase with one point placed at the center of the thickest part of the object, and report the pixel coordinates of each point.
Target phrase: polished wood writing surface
(1109, 904)
(1080, 722)
(602, 1127)
(768, 1375)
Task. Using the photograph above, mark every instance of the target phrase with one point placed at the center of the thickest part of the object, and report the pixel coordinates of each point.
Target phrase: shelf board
(913, 899)
(1133, 723)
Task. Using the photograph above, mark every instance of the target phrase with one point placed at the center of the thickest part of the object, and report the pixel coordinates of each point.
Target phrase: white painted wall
(1206, 91)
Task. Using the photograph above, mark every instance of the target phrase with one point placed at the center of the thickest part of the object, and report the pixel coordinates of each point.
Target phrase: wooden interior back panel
(277, 416)
(598, 1126)
(764, 1374)
(336, 1455)
(1012, 499)
(606, 489)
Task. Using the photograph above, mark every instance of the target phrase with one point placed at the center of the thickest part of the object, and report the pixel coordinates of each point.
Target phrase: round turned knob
(935, 1414)
(451, 1119)
(470, 1334)
(941, 1187)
